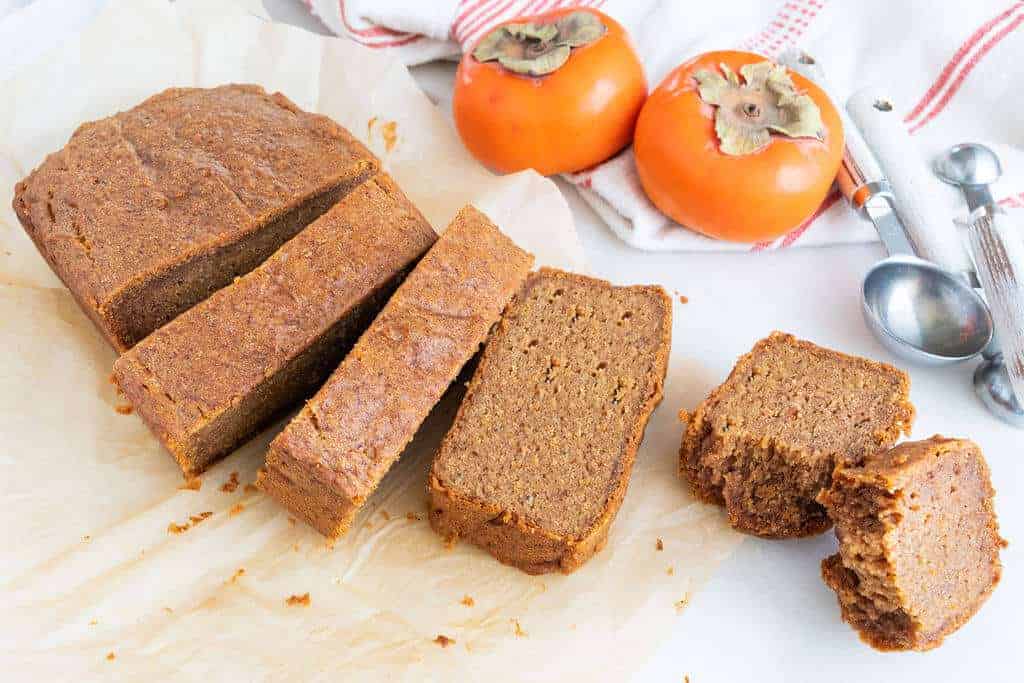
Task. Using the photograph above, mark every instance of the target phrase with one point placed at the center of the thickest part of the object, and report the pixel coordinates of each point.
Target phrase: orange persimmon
(556, 92)
(736, 147)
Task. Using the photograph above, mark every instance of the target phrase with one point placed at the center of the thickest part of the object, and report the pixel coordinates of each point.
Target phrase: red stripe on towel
(954, 62)
(968, 68)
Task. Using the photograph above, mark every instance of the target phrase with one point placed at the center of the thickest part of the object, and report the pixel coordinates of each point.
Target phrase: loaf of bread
(538, 460)
(147, 212)
(765, 442)
(330, 458)
(918, 542)
(218, 372)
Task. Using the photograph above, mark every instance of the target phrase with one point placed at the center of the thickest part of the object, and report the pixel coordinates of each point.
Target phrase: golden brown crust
(497, 525)
(918, 542)
(726, 460)
(222, 176)
(223, 369)
(331, 457)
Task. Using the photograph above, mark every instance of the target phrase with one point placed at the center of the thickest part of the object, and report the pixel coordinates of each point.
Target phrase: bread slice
(330, 458)
(535, 467)
(918, 542)
(214, 375)
(765, 442)
(147, 212)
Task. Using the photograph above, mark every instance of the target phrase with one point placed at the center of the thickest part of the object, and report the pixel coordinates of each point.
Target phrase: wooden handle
(917, 190)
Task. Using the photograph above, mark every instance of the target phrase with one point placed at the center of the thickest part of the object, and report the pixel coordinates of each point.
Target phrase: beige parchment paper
(93, 580)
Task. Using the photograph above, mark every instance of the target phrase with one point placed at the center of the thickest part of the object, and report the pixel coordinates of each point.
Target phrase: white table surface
(766, 615)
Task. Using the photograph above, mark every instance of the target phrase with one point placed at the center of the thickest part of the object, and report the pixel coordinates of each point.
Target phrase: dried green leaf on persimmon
(539, 48)
(748, 112)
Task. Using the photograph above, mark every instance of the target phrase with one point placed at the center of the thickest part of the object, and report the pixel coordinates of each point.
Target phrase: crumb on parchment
(684, 299)
(517, 629)
(444, 641)
(193, 520)
(670, 571)
(235, 509)
(386, 515)
(467, 600)
(124, 409)
(111, 656)
(238, 574)
(231, 484)
(389, 131)
(412, 516)
(659, 545)
(250, 488)
(681, 604)
(93, 622)
(298, 600)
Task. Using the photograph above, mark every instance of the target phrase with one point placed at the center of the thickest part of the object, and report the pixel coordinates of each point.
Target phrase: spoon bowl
(924, 313)
(968, 164)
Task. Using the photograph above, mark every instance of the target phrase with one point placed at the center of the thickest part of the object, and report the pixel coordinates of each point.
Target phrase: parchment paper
(95, 582)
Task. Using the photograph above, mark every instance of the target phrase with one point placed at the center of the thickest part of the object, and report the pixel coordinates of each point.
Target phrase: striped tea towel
(949, 64)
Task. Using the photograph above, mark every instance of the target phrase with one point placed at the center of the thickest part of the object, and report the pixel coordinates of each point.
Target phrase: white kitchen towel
(951, 65)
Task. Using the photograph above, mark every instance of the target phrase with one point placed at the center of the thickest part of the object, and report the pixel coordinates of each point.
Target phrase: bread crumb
(450, 541)
(301, 600)
(168, 610)
(444, 641)
(193, 484)
(295, 547)
(174, 528)
(684, 299)
(124, 409)
(517, 629)
(250, 488)
(467, 600)
(686, 678)
(681, 604)
(93, 622)
(292, 520)
(670, 571)
(659, 545)
(231, 484)
(235, 509)
(86, 538)
(412, 516)
(389, 131)
(238, 574)
(386, 515)
(369, 125)
(110, 656)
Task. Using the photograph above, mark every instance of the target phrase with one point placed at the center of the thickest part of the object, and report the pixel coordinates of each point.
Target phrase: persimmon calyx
(749, 111)
(540, 48)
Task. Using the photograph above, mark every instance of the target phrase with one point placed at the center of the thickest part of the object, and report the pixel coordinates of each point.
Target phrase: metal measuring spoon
(918, 310)
(998, 253)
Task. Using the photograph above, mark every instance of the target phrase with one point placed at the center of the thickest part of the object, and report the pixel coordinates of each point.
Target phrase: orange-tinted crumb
(295, 547)
(450, 541)
(386, 515)
(517, 629)
(659, 545)
(412, 516)
(390, 133)
(670, 571)
(235, 509)
(168, 610)
(250, 488)
(444, 641)
(684, 299)
(300, 600)
(468, 601)
(124, 409)
(238, 574)
(369, 125)
(686, 678)
(174, 528)
(231, 484)
(110, 656)
(681, 604)
(193, 484)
